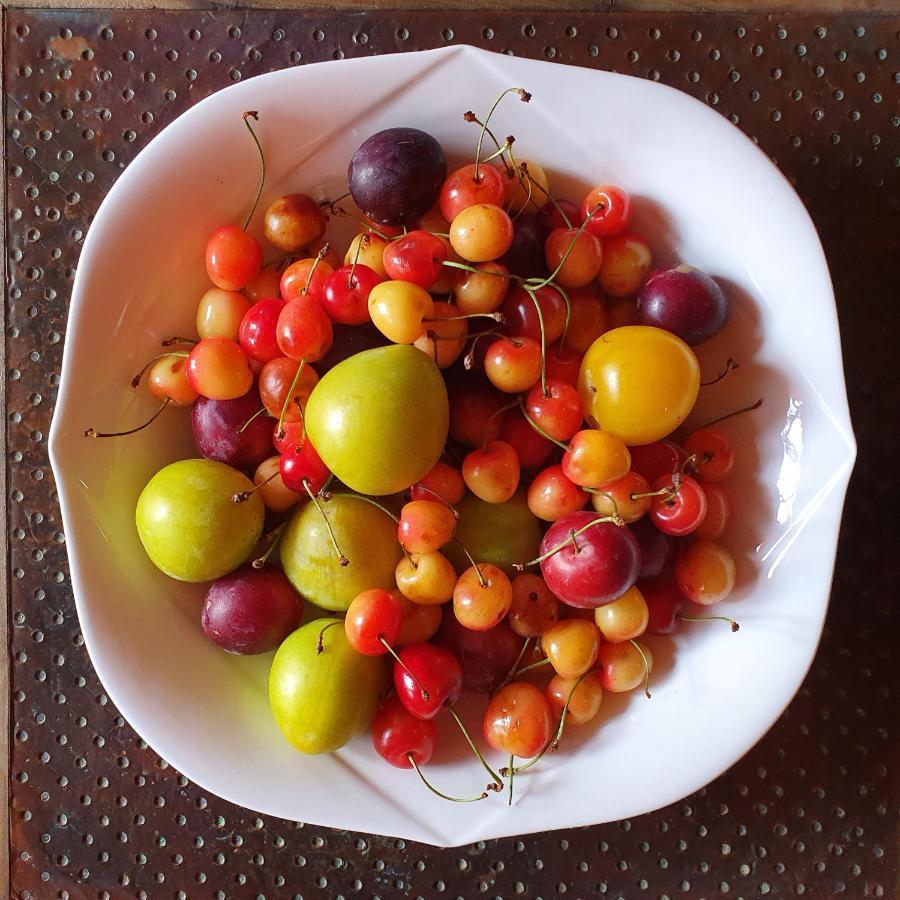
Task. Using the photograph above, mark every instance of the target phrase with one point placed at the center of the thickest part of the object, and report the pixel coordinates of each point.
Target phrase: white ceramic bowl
(705, 194)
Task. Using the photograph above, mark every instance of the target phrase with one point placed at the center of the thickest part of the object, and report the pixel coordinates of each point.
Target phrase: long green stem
(274, 536)
(571, 539)
(341, 558)
(93, 433)
(540, 315)
(580, 230)
(523, 95)
(371, 502)
(640, 650)
(512, 772)
(252, 114)
(540, 430)
(498, 781)
(438, 793)
(514, 670)
(287, 399)
(255, 416)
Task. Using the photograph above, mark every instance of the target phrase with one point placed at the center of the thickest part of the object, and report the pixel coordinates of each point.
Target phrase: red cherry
(555, 219)
(397, 735)
(442, 482)
(710, 453)
(614, 213)
(304, 329)
(291, 436)
(472, 418)
(664, 601)
(297, 282)
(462, 190)
(301, 468)
(681, 510)
(521, 316)
(557, 410)
(532, 448)
(345, 296)
(233, 258)
(257, 331)
(417, 257)
(551, 495)
(373, 621)
(431, 667)
(563, 364)
(492, 472)
(657, 459)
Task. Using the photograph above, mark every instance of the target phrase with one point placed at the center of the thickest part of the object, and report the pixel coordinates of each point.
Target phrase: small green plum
(188, 524)
(366, 536)
(322, 700)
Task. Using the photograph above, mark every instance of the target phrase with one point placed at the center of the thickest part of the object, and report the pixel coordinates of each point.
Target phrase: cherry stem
(253, 114)
(93, 433)
(532, 666)
(496, 316)
(540, 430)
(551, 198)
(608, 496)
(640, 650)
(524, 96)
(453, 264)
(274, 537)
(565, 295)
(339, 211)
(438, 793)
(170, 342)
(573, 534)
(425, 695)
(469, 116)
(512, 771)
(475, 566)
(498, 782)
(545, 281)
(372, 502)
(734, 625)
(244, 496)
(469, 358)
(695, 462)
(730, 366)
(540, 315)
(139, 377)
(730, 415)
(553, 743)
(670, 493)
(341, 558)
(362, 242)
(522, 172)
(288, 397)
(487, 425)
(507, 145)
(255, 415)
(328, 203)
(515, 666)
(323, 252)
(320, 640)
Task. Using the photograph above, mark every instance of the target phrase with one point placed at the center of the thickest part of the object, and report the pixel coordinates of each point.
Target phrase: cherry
(705, 572)
(481, 233)
(622, 312)
(561, 214)
(431, 667)
(218, 368)
(281, 377)
(655, 547)
(532, 448)
(623, 667)
(626, 262)
(587, 561)
(398, 309)
(527, 187)
(373, 622)
(305, 277)
(534, 609)
(367, 249)
(718, 512)
(420, 622)
(583, 697)
(401, 738)
(445, 335)
(442, 482)
(521, 316)
(657, 459)
(614, 212)
(525, 256)
(517, 720)
(623, 619)
(167, 380)
(513, 364)
(425, 525)
(219, 313)
(551, 495)
(469, 186)
(416, 257)
(304, 329)
(571, 646)
(574, 256)
(587, 320)
(345, 294)
(257, 330)
(556, 409)
(302, 469)
(594, 458)
(289, 436)
(233, 258)
(492, 472)
(563, 364)
(710, 455)
(223, 431)
(681, 506)
(432, 220)
(622, 497)
(276, 495)
(482, 597)
(485, 656)
(664, 604)
(472, 415)
(266, 284)
(483, 290)
(427, 578)
(293, 222)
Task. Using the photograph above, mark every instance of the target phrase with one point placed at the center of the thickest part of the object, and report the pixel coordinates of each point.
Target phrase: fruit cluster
(484, 388)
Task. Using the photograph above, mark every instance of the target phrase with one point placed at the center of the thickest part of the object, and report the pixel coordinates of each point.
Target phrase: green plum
(379, 419)
(188, 525)
(322, 700)
(366, 536)
(498, 533)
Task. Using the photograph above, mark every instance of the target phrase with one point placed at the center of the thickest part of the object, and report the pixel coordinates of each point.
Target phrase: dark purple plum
(486, 656)
(685, 301)
(655, 547)
(348, 341)
(251, 610)
(396, 175)
(217, 431)
(525, 256)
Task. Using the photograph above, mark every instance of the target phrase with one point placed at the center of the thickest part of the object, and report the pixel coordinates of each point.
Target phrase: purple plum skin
(525, 256)
(216, 425)
(655, 547)
(686, 302)
(251, 610)
(486, 656)
(396, 175)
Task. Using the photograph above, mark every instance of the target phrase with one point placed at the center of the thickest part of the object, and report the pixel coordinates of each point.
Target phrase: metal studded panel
(95, 813)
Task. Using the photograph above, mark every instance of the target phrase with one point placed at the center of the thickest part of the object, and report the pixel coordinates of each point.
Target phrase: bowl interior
(704, 195)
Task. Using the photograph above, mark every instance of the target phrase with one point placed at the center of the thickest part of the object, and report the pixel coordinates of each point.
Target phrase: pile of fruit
(453, 453)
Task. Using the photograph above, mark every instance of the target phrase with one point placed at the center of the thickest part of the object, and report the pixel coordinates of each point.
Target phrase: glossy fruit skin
(321, 701)
(595, 458)
(711, 455)
(188, 525)
(219, 313)
(373, 617)
(513, 364)
(304, 278)
(367, 249)
(686, 302)
(481, 233)
(615, 498)
(664, 604)
(419, 622)
(425, 578)
(481, 603)
(620, 667)
(584, 702)
(346, 297)
(275, 381)
(499, 533)
(521, 316)
(461, 189)
(492, 473)
(639, 383)
(557, 410)
(472, 419)
(302, 470)
(396, 175)
(534, 608)
(167, 380)
(445, 340)
(437, 670)
(571, 646)
(655, 547)
(517, 720)
(218, 368)
(684, 512)
(416, 257)
(276, 495)
(251, 610)
(303, 330)
(551, 495)
(657, 459)
(293, 222)
(532, 448)
(425, 525)
(614, 214)
(518, 193)
(396, 734)
(606, 565)
(233, 258)
(575, 267)
(367, 537)
(442, 482)
(257, 334)
(718, 512)
(705, 572)
(623, 619)
(482, 291)
(525, 256)
(485, 656)
(397, 309)
(380, 419)
(216, 428)
(564, 364)
(626, 262)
